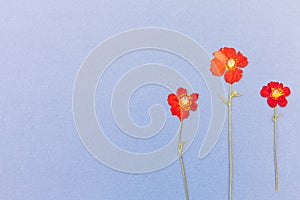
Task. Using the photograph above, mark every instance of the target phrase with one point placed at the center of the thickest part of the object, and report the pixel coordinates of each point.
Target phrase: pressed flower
(181, 103)
(229, 63)
(276, 94)
(226, 61)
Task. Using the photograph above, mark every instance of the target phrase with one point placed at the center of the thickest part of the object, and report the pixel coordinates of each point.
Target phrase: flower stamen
(277, 93)
(185, 102)
(231, 63)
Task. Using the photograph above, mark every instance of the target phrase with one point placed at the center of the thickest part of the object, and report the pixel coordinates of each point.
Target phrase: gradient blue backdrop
(43, 44)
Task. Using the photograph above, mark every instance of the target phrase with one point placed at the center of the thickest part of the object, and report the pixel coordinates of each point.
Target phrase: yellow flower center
(277, 93)
(231, 63)
(184, 102)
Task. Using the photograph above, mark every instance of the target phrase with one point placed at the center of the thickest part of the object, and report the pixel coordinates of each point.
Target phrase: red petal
(193, 106)
(175, 110)
(242, 60)
(181, 91)
(272, 102)
(232, 76)
(172, 99)
(282, 101)
(220, 56)
(229, 52)
(265, 91)
(273, 84)
(195, 97)
(217, 67)
(286, 91)
(184, 114)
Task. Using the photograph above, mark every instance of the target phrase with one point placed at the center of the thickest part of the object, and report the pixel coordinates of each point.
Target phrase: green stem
(275, 150)
(230, 142)
(180, 146)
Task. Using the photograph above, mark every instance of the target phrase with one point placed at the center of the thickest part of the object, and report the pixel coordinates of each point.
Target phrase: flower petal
(232, 76)
(272, 102)
(172, 99)
(286, 91)
(229, 52)
(273, 84)
(184, 114)
(181, 91)
(220, 56)
(217, 67)
(195, 97)
(242, 61)
(265, 92)
(193, 106)
(175, 110)
(282, 101)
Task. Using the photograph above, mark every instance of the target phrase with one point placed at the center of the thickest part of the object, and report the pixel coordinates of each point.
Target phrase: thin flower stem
(275, 150)
(180, 146)
(230, 141)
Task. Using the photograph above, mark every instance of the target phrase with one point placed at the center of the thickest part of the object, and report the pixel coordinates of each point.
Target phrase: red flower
(181, 103)
(227, 61)
(276, 94)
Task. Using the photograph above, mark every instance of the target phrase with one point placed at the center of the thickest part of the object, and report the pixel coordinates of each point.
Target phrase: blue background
(43, 44)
